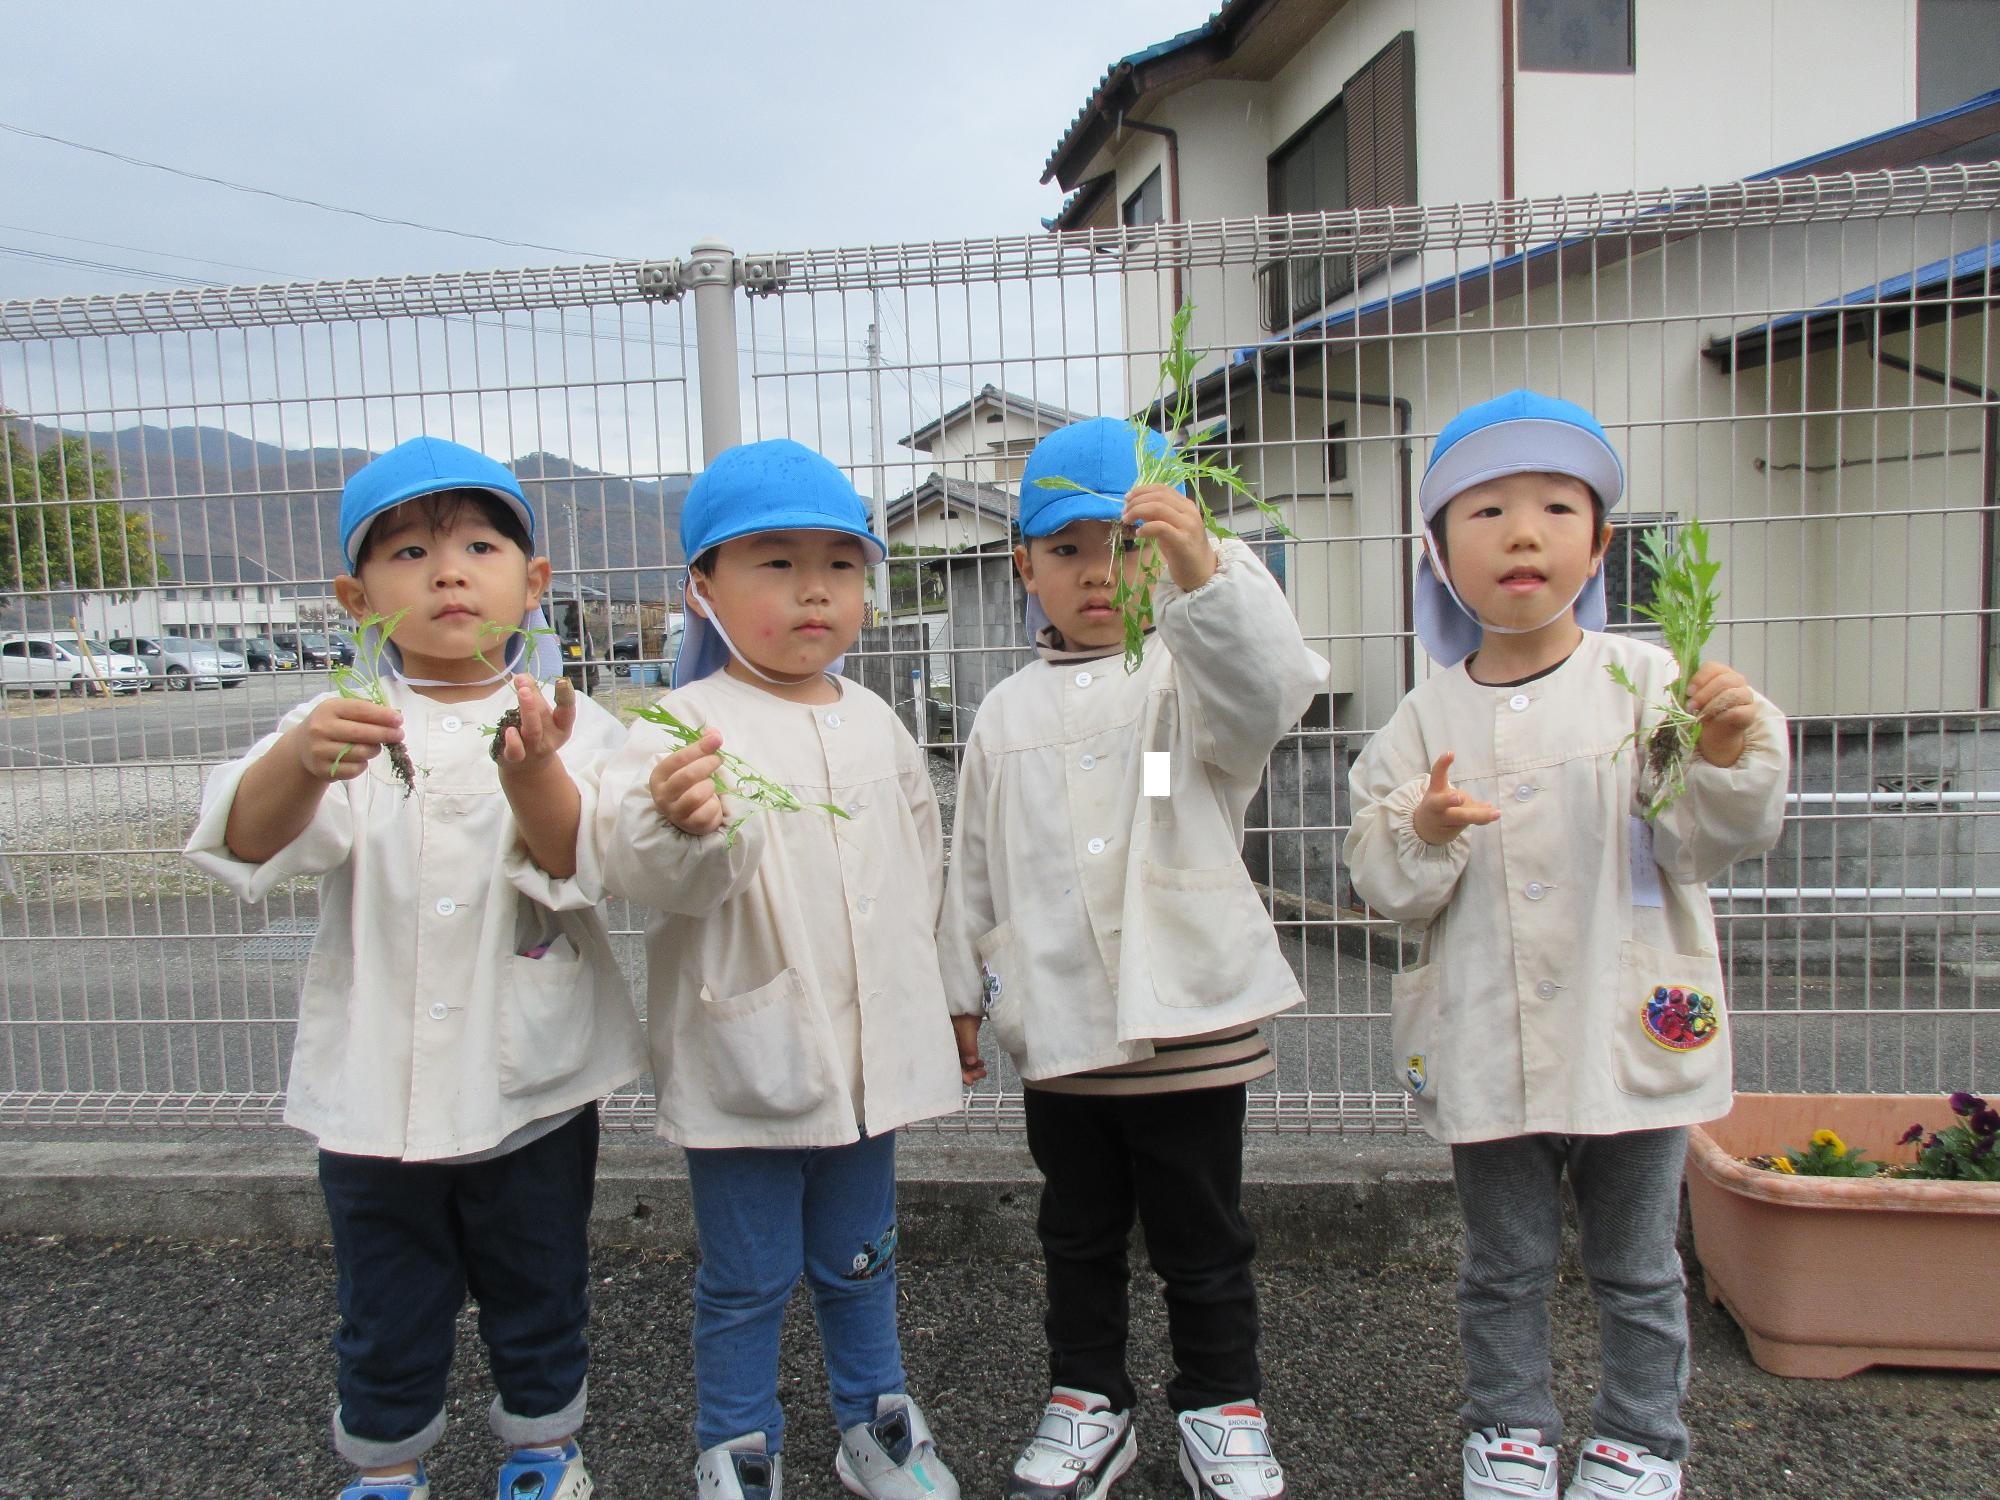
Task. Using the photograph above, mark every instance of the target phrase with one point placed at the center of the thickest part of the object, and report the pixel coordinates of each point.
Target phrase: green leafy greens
(742, 782)
(362, 682)
(1182, 465)
(1684, 601)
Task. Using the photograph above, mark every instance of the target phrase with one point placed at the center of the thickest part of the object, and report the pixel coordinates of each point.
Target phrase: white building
(200, 596)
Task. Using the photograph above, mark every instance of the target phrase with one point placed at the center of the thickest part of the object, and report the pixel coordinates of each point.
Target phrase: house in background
(1824, 396)
(976, 451)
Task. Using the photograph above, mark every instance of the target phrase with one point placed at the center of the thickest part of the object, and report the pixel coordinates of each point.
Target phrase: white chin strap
(715, 624)
(1472, 614)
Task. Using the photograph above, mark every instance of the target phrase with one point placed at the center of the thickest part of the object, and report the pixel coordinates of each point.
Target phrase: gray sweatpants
(1627, 1191)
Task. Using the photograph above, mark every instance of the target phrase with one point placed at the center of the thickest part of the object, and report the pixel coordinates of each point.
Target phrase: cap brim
(351, 544)
(805, 520)
(1071, 506)
(1530, 445)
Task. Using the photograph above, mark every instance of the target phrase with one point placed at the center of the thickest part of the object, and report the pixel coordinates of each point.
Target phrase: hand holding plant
(341, 735)
(362, 683)
(535, 730)
(1169, 520)
(1684, 601)
(688, 785)
(1179, 467)
(1722, 698)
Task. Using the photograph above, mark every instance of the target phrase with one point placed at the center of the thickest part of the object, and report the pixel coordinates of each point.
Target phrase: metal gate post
(710, 273)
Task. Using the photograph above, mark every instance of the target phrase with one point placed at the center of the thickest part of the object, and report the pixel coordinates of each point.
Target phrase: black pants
(410, 1239)
(1176, 1161)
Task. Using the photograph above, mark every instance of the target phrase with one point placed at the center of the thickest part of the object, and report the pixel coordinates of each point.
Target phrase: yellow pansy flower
(1783, 1164)
(1828, 1138)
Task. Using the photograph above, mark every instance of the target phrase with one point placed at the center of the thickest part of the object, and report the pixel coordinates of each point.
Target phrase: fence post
(710, 273)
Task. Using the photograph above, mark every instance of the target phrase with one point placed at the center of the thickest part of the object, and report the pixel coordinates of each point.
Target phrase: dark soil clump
(509, 720)
(403, 766)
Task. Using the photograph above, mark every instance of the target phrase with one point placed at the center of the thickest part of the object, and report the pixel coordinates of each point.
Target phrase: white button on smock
(1519, 702)
(451, 723)
(1095, 846)
(1083, 679)
(446, 906)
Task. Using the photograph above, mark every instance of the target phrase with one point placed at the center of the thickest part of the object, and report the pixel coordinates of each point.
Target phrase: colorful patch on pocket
(991, 984)
(872, 1256)
(1415, 1072)
(1680, 1017)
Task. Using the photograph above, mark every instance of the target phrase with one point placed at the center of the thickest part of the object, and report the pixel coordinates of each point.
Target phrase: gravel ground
(141, 1369)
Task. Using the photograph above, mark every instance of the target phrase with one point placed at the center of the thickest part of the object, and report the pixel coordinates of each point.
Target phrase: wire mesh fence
(1808, 365)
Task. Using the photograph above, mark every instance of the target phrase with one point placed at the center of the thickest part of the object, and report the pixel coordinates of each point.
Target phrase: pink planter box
(1828, 1275)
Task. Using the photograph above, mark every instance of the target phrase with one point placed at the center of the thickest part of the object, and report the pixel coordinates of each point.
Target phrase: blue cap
(1100, 456)
(775, 485)
(423, 466)
(1522, 432)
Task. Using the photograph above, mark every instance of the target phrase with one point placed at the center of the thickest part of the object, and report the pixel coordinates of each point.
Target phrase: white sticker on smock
(1158, 773)
(1645, 869)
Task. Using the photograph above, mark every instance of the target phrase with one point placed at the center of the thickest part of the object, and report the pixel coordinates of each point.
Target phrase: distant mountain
(212, 492)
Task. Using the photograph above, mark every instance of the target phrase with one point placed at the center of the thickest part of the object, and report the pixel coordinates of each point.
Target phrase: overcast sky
(620, 130)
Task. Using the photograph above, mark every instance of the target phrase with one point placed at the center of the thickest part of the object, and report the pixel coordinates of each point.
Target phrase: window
(1358, 152)
(1147, 205)
(1576, 36)
(1269, 545)
(1958, 51)
(1336, 452)
(1626, 579)
(17, 650)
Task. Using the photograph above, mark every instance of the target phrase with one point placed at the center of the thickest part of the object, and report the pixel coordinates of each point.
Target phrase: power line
(50, 257)
(199, 260)
(332, 208)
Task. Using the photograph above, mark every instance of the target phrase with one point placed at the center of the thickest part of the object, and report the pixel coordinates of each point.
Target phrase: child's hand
(543, 731)
(965, 1030)
(684, 790)
(1445, 811)
(1727, 706)
(1164, 515)
(339, 737)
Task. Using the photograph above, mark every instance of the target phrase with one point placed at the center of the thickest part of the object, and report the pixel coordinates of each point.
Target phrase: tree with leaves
(61, 525)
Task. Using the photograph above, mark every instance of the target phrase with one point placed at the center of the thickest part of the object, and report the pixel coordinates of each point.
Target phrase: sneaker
(893, 1457)
(1622, 1471)
(1508, 1463)
(1226, 1453)
(1080, 1446)
(416, 1487)
(552, 1473)
(740, 1469)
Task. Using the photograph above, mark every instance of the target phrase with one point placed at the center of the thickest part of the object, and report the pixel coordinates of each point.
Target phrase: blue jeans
(763, 1217)
(410, 1239)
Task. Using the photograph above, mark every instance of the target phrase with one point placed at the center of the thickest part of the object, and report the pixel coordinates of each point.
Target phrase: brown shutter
(1381, 103)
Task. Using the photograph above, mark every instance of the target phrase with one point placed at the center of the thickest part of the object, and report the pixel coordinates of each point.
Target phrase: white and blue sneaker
(1080, 1446)
(1610, 1470)
(412, 1486)
(740, 1469)
(1508, 1463)
(1226, 1453)
(893, 1457)
(552, 1473)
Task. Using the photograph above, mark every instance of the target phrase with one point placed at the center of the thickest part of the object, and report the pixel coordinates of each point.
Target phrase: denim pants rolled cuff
(528, 1432)
(847, 1413)
(377, 1453)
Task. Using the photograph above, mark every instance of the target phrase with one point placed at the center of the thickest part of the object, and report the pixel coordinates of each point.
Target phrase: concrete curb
(1367, 1201)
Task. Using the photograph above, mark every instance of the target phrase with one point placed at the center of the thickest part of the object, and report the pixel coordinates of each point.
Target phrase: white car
(66, 663)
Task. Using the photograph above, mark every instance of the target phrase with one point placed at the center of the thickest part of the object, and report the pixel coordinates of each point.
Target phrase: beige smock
(1570, 981)
(1086, 918)
(426, 1031)
(791, 974)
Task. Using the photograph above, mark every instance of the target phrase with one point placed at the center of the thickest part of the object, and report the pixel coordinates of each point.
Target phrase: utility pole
(875, 447)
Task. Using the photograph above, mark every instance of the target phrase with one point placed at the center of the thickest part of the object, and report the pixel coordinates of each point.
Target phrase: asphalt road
(149, 1369)
(210, 724)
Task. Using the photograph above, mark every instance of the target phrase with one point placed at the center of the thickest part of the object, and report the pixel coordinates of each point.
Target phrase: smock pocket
(548, 1025)
(1413, 1033)
(760, 1056)
(1670, 1034)
(1197, 923)
(1002, 998)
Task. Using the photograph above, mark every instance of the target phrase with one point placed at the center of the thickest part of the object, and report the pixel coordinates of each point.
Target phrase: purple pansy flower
(1914, 1133)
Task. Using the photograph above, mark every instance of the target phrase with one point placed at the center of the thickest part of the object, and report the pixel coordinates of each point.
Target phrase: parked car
(181, 662)
(260, 653)
(316, 650)
(66, 663)
(628, 650)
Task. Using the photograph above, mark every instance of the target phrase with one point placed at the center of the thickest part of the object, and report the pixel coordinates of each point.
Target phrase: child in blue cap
(1568, 1015)
(463, 1010)
(793, 1000)
(1109, 929)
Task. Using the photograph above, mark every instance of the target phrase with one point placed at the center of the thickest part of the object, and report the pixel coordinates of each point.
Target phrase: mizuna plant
(363, 682)
(737, 778)
(1684, 600)
(1181, 465)
(511, 719)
